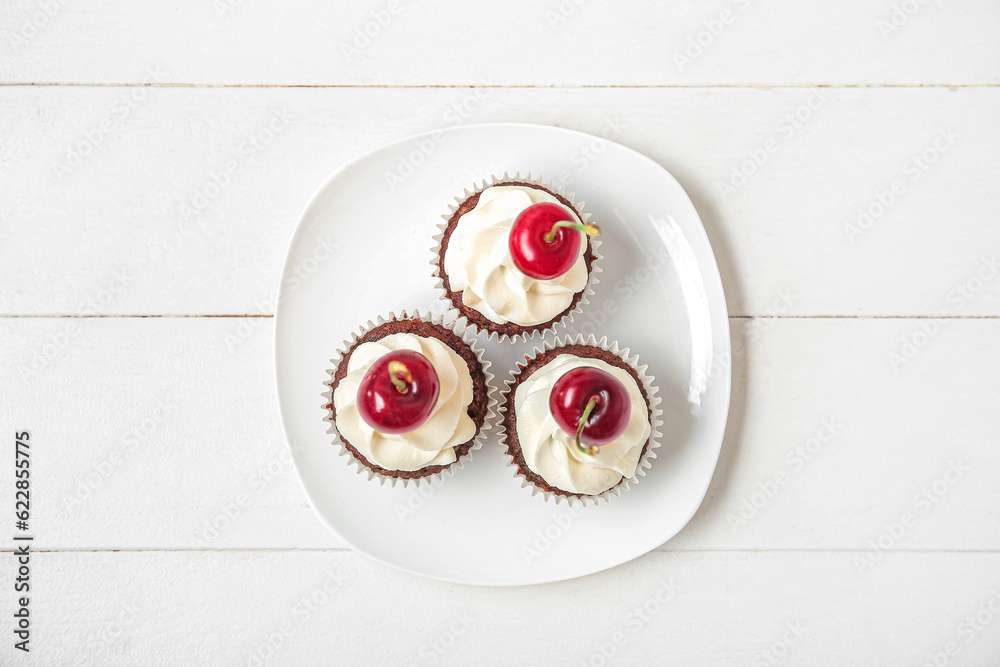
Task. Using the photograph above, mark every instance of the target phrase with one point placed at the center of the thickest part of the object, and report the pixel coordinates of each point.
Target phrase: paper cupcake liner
(592, 279)
(491, 407)
(655, 421)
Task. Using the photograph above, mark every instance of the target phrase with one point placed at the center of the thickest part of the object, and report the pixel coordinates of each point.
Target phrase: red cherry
(595, 398)
(398, 392)
(540, 248)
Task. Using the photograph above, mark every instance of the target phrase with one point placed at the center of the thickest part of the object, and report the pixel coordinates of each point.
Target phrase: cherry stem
(591, 404)
(400, 376)
(590, 229)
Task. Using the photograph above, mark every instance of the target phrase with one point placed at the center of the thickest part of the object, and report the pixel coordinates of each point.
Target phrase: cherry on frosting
(398, 392)
(592, 405)
(544, 241)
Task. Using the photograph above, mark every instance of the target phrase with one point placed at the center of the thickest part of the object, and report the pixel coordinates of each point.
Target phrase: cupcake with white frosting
(408, 398)
(580, 420)
(516, 257)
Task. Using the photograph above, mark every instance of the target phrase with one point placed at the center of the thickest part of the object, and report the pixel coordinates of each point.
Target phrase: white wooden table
(845, 158)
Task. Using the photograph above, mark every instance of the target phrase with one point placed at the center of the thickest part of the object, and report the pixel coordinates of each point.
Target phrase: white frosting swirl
(552, 453)
(433, 443)
(479, 265)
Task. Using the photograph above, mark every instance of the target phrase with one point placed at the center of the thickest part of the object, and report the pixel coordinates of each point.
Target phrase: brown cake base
(510, 415)
(473, 315)
(476, 410)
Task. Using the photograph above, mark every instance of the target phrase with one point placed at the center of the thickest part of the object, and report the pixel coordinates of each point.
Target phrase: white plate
(362, 248)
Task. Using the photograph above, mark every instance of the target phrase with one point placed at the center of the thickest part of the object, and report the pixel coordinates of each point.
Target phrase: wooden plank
(155, 433)
(713, 608)
(852, 520)
(877, 202)
(558, 42)
(871, 434)
(163, 433)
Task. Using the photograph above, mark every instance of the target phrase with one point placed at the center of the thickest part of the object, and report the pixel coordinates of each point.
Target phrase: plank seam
(679, 551)
(141, 84)
(271, 316)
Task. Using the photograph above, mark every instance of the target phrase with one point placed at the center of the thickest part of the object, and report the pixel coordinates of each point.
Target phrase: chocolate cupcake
(408, 398)
(503, 278)
(580, 420)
